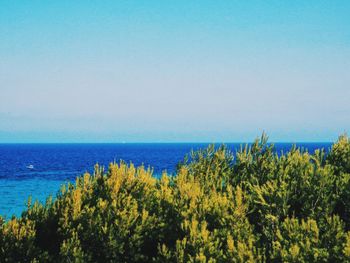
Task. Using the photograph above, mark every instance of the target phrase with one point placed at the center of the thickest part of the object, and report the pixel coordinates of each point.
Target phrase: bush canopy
(251, 206)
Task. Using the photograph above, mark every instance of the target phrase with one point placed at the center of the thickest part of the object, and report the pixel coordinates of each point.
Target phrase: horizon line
(168, 142)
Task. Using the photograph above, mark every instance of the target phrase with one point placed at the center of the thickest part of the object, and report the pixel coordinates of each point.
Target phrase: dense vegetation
(254, 206)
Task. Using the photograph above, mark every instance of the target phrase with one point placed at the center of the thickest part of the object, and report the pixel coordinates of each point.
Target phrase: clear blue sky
(155, 71)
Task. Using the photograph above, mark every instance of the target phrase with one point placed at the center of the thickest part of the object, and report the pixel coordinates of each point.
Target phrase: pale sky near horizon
(174, 71)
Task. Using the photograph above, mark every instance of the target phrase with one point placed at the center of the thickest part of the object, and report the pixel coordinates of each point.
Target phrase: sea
(38, 170)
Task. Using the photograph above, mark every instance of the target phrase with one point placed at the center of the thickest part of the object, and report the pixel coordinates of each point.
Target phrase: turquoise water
(39, 169)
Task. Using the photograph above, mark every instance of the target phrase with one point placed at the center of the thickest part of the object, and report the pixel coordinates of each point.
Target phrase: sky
(174, 71)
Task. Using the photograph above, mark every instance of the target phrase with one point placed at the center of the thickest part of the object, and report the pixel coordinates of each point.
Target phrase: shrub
(254, 206)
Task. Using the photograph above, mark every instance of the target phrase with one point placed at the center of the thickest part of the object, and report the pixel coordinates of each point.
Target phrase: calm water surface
(39, 169)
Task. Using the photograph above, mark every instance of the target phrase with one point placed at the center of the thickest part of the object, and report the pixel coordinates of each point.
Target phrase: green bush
(254, 206)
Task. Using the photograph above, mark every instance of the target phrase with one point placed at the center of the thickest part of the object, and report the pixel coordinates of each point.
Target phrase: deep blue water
(55, 164)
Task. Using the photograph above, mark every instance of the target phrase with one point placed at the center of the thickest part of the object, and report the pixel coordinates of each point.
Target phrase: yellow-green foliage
(254, 206)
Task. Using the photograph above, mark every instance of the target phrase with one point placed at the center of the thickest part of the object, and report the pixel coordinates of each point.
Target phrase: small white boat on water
(30, 166)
